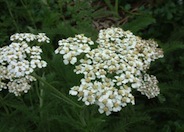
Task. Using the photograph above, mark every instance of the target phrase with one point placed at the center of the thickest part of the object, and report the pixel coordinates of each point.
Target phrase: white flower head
(113, 69)
(70, 48)
(18, 60)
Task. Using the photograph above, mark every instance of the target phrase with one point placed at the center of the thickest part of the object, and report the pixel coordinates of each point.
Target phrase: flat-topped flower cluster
(18, 60)
(112, 70)
(70, 48)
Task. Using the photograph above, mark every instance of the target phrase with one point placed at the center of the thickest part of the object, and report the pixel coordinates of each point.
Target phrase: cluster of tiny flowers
(73, 47)
(18, 60)
(149, 86)
(28, 37)
(116, 67)
(104, 94)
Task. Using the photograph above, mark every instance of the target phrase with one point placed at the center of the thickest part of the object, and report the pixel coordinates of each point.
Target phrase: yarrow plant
(19, 59)
(112, 70)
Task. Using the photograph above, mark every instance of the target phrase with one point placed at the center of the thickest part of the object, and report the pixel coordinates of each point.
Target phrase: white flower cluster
(149, 86)
(72, 47)
(18, 60)
(113, 69)
(104, 94)
(28, 37)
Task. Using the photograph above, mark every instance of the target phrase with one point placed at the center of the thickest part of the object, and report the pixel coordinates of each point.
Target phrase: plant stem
(29, 14)
(11, 14)
(4, 106)
(58, 93)
(116, 7)
(41, 103)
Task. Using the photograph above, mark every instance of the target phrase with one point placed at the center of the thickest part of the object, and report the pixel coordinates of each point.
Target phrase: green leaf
(139, 23)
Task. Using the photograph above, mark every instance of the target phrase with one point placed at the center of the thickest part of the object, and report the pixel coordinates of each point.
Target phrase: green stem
(41, 98)
(29, 13)
(30, 99)
(11, 14)
(41, 102)
(116, 7)
(4, 106)
(58, 93)
(113, 8)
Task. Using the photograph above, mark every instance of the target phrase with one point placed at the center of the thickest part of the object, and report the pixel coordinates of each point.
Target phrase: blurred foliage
(39, 110)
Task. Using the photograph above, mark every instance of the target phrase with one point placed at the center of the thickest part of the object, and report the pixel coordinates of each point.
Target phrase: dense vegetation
(41, 110)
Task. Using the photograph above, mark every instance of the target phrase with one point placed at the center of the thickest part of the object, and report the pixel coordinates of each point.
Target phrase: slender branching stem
(57, 92)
